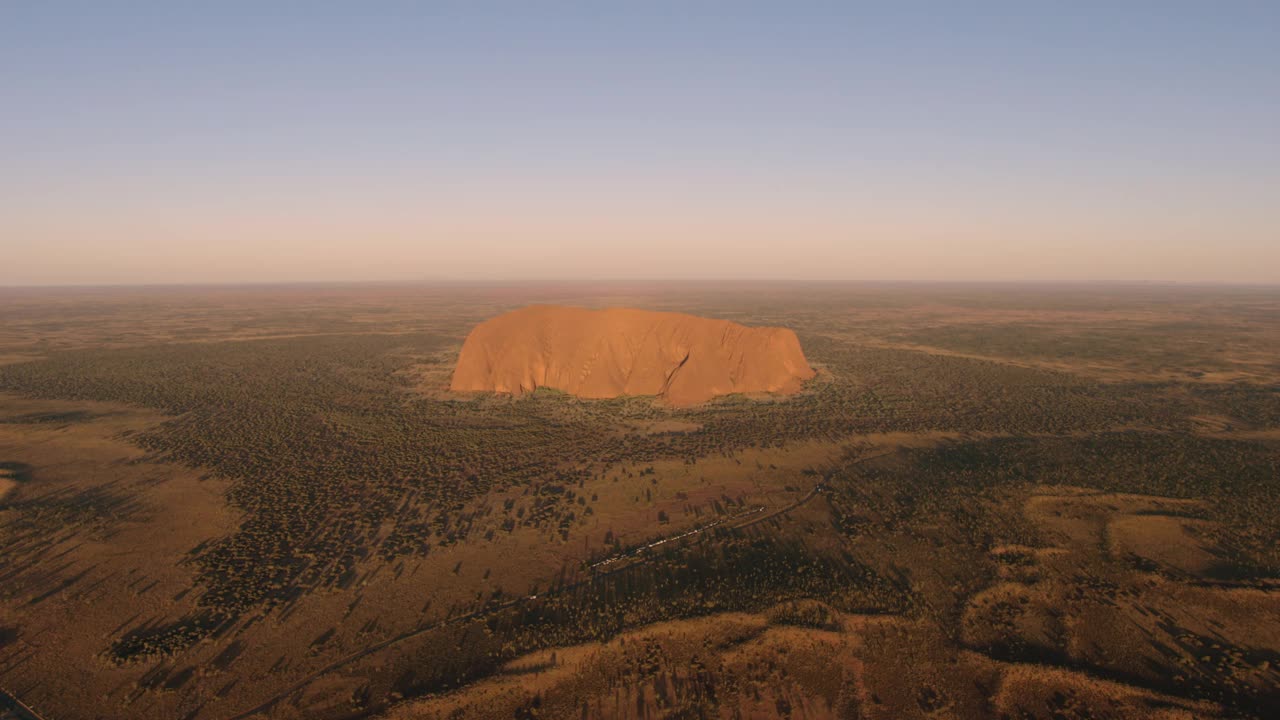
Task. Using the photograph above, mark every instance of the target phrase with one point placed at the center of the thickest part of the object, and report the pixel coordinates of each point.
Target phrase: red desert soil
(608, 353)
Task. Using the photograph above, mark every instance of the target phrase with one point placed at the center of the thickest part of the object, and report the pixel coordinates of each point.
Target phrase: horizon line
(580, 282)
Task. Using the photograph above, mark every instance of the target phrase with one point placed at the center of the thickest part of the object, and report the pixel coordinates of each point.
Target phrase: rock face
(618, 351)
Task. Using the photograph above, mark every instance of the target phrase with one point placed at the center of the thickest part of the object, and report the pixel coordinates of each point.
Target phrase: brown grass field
(993, 501)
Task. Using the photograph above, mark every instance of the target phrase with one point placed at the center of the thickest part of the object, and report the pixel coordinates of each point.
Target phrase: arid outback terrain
(1009, 501)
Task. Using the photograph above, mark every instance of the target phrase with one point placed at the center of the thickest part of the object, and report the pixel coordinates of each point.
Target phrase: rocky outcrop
(614, 352)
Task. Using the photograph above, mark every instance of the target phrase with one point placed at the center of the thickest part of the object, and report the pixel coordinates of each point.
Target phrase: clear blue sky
(259, 141)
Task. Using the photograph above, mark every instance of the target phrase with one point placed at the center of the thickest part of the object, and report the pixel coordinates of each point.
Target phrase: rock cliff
(684, 359)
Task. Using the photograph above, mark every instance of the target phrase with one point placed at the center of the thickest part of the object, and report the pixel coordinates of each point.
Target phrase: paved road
(640, 554)
(11, 708)
(656, 543)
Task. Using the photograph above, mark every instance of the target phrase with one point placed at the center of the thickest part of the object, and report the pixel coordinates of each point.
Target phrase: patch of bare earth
(94, 542)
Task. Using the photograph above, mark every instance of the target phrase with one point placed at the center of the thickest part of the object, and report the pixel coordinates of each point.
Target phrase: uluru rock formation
(608, 353)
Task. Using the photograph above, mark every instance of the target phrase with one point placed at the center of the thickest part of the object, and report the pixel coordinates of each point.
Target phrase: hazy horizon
(146, 144)
(638, 283)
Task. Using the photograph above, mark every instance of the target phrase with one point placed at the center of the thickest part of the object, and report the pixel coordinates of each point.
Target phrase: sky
(201, 142)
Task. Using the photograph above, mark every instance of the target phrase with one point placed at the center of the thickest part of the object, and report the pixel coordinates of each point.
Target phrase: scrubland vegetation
(966, 480)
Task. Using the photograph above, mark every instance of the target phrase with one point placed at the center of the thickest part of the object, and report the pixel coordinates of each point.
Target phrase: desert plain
(987, 501)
